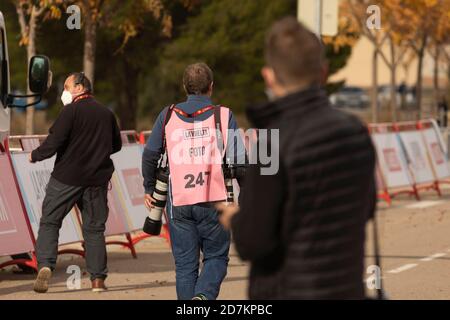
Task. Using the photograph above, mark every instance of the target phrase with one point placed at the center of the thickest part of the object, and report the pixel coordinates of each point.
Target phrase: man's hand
(226, 212)
(30, 158)
(148, 199)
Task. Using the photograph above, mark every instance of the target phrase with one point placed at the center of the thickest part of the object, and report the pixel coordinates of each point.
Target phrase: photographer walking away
(197, 137)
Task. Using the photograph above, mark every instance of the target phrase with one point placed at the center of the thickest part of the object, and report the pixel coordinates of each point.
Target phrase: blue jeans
(193, 229)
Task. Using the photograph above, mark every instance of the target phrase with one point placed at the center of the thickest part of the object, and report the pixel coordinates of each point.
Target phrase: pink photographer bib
(195, 160)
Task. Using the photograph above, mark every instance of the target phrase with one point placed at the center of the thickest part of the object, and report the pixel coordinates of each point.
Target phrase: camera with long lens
(231, 172)
(153, 222)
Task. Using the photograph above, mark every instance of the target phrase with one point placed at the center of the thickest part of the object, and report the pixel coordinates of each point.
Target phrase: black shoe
(199, 297)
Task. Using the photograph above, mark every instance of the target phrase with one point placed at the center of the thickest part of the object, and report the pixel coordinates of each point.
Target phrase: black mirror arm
(11, 97)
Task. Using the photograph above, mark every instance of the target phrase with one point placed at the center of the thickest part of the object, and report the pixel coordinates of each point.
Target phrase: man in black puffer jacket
(303, 228)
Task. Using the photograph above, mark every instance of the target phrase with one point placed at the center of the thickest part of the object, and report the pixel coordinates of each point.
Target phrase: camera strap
(163, 133)
(219, 132)
(376, 248)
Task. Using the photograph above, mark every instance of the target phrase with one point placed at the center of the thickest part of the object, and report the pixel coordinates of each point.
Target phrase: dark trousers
(93, 204)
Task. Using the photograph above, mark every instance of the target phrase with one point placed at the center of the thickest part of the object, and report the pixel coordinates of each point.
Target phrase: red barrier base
(415, 191)
(434, 186)
(72, 251)
(164, 234)
(129, 244)
(443, 182)
(410, 192)
(385, 197)
(80, 252)
(32, 263)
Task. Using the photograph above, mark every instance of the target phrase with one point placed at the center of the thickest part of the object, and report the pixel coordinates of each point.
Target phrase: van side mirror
(39, 75)
(39, 81)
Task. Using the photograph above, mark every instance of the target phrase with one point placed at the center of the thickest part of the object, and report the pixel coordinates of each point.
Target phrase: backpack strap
(219, 132)
(166, 121)
(195, 114)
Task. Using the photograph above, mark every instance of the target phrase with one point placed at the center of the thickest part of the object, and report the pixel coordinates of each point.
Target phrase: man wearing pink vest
(196, 136)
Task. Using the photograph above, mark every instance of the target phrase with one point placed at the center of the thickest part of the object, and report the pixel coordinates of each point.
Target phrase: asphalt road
(415, 250)
(415, 247)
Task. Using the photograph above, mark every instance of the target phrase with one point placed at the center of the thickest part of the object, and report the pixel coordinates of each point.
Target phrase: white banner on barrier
(436, 152)
(33, 179)
(14, 234)
(379, 179)
(127, 164)
(116, 223)
(391, 160)
(416, 152)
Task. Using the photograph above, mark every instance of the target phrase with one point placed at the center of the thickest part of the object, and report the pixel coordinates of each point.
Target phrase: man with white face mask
(83, 137)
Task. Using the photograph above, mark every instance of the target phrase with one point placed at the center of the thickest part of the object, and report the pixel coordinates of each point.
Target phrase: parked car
(404, 96)
(350, 97)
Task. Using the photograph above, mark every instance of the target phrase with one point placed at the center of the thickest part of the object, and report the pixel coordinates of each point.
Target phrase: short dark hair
(197, 78)
(80, 78)
(293, 52)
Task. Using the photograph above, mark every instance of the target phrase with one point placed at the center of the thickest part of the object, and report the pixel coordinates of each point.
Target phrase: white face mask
(66, 97)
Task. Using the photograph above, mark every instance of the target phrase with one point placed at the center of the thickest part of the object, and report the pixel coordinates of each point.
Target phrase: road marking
(403, 268)
(365, 280)
(434, 256)
(424, 204)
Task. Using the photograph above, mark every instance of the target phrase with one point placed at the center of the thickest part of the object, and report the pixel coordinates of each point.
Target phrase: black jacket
(84, 136)
(303, 229)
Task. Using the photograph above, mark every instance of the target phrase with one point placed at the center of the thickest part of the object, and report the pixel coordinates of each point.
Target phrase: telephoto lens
(153, 222)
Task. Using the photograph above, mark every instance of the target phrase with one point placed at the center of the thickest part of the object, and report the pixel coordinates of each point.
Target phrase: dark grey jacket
(303, 229)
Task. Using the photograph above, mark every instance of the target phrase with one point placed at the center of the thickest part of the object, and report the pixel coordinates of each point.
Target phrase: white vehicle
(384, 96)
(350, 97)
(39, 79)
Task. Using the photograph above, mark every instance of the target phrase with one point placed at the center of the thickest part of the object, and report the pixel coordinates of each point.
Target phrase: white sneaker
(41, 282)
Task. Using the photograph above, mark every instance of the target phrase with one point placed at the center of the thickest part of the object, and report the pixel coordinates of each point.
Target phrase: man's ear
(211, 88)
(269, 76)
(81, 89)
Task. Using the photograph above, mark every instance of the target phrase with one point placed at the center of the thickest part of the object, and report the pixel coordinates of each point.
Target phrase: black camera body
(231, 172)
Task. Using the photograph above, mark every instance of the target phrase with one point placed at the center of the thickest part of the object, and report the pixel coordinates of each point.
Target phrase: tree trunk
(28, 33)
(90, 37)
(31, 51)
(128, 97)
(393, 69)
(393, 94)
(419, 86)
(447, 62)
(375, 86)
(436, 89)
(420, 56)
